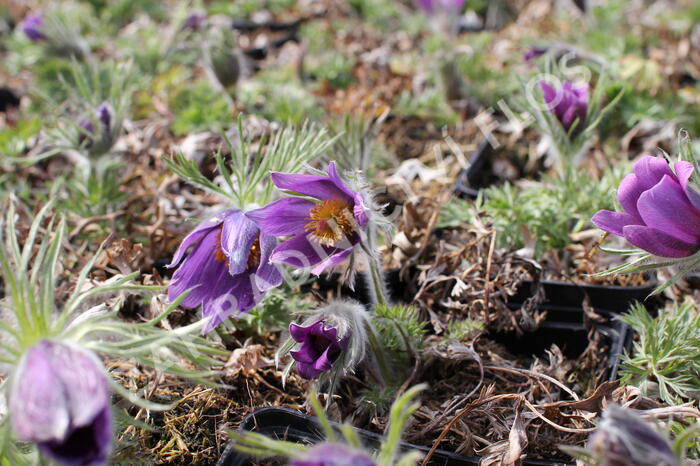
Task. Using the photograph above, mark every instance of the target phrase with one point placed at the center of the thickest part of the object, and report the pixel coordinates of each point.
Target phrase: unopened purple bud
(569, 103)
(623, 439)
(534, 52)
(333, 454)
(31, 26)
(59, 399)
(319, 350)
(448, 6)
(90, 135)
(195, 21)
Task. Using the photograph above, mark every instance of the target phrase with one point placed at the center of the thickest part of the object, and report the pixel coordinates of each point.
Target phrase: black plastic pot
(283, 423)
(567, 295)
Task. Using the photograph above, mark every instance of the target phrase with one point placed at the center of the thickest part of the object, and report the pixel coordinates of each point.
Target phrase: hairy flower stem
(379, 298)
(378, 351)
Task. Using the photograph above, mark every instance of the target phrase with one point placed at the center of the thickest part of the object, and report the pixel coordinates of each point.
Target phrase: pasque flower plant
(228, 268)
(58, 391)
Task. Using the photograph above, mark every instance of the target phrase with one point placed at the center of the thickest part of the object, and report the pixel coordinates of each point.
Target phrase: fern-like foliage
(667, 353)
(399, 327)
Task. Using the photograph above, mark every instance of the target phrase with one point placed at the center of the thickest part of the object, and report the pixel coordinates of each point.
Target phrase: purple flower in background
(568, 103)
(448, 6)
(59, 399)
(623, 439)
(661, 210)
(333, 454)
(104, 115)
(320, 348)
(534, 52)
(194, 21)
(323, 233)
(228, 268)
(31, 26)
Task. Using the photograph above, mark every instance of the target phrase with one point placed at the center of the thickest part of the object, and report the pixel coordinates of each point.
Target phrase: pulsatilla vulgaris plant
(334, 451)
(228, 267)
(661, 215)
(58, 391)
(567, 109)
(58, 29)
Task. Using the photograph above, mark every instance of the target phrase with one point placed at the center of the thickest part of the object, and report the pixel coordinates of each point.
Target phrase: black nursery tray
(562, 295)
(293, 426)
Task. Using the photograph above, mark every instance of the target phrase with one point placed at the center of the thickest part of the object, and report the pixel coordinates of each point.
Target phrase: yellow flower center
(330, 221)
(254, 255)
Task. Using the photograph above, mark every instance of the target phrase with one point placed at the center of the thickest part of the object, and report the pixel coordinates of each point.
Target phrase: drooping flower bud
(569, 103)
(32, 25)
(333, 454)
(534, 52)
(333, 338)
(99, 141)
(195, 21)
(319, 350)
(623, 439)
(59, 399)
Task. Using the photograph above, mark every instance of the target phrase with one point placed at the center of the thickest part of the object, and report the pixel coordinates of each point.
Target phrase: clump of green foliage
(199, 108)
(541, 215)
(667, 354)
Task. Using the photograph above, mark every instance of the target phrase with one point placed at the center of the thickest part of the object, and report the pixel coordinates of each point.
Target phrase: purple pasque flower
(59, 399)
(31, 26)
(569, 103)
(661, 210)
(448, 6)
(194, 21)
(228, 268)
(323, 233)
(333, 454)
(320, 348)
(623, 439)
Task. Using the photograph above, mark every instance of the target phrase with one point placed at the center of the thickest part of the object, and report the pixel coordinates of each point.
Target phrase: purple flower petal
(614, 222)
(333, 454)
(320, 187)
(684, 170)
(300, 251)
(238, 235)
(31, 26)
(268, 275)
(650, 170)
(682, 221)
(200, 270)
(288, 216)
(658, 242)
(228, 295)
(197, 234)
(59, 399)
(331, 261)
(628, 194)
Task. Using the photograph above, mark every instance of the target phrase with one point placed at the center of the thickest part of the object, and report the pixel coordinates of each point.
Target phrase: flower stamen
(254, 255)
(330, 221)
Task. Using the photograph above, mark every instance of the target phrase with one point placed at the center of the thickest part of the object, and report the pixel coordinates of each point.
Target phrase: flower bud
(569, 103)
(320, 348)
(195, 21)
(59, 399)
(623, 439)
(32, 25)
(333, 454)
(97, 142)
